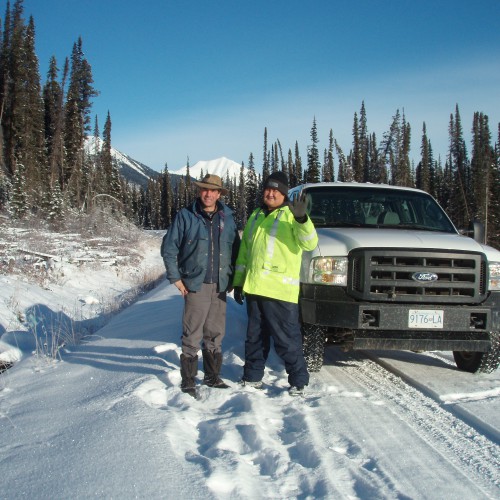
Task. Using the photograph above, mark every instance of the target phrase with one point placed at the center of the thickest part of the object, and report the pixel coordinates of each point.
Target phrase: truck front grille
(433, 277)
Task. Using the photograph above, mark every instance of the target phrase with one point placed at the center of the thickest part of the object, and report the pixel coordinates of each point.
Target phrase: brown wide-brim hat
(211, 181)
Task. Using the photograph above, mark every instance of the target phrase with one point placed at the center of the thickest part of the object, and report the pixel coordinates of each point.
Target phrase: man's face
(209, 198)
(273, 198)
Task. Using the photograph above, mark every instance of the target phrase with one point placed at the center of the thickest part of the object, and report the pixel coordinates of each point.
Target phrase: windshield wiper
(421, 227)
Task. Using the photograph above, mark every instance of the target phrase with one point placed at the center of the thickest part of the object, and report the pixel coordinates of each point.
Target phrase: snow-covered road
(110, 422)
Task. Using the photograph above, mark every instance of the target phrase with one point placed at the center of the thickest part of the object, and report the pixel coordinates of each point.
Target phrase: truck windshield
(343, 206)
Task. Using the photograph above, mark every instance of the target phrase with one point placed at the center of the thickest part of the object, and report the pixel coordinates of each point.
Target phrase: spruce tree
(313, 163)
(299, 179)
(5, 189)
(458, 172)
(364, 144)
(189, 194)
(166, 198)
(251, 187)
(406, 178)
(290, 170)
(356, 155)
(265, 158)
(19, 197)
(14, 85)
(273, 164)
(494, 201)
(346, 172)
(328, 169)
(241, 207)
(423, 173)
(77, 115)
(32, 148)
(483, 165)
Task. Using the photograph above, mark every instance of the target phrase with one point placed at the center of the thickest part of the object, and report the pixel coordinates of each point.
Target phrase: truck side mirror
(476, 229)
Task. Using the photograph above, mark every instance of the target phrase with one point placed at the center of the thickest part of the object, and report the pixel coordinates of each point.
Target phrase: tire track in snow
(469, 451)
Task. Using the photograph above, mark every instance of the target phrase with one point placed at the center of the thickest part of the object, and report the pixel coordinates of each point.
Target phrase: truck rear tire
(480, 362)
(313, 338)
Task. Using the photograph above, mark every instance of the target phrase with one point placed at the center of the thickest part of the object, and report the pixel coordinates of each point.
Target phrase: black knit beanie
(277, 180)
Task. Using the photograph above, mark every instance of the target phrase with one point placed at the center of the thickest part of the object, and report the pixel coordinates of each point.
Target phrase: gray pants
(204, 319)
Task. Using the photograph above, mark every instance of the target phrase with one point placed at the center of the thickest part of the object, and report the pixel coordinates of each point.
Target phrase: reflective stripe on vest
(272, 237)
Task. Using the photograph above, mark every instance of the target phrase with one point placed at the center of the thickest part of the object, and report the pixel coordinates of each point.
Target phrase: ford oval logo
(423, 277)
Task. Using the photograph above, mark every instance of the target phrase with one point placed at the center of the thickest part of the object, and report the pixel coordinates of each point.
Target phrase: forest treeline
(55, 164)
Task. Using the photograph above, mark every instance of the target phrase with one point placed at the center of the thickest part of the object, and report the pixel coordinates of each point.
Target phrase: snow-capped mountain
(136, 172)
(219, 166)
(132, 170)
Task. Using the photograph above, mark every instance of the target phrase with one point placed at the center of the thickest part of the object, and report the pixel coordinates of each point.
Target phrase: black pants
(280, 320)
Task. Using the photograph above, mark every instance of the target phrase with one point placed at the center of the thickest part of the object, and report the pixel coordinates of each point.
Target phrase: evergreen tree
(290, 169)
(328, 168)
(241, 207)
(14, 85)
(188, 186)
(299, 179)
(265, 160)
(166, 198)
(111, 172)
(55, 204)
(483, 165)
(19, 198)
(437, 184)
(313, 163)
(5, 189)
(364, 144)
(53, 97)
(251, 187)
(4, 81)
(404, 168)
(396, 149)
(98, 178)
(458, 207)
(282, 163)
(231, 195)
(154, 191)
(32, 147)
(346, 173)
(77, 114)
(357, 155)
(377, 169)
(273, 164)
(493, 229)
(423, 173)
(433, 179)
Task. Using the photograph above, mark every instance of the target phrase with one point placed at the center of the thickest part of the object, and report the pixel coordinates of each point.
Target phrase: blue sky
(201, 79)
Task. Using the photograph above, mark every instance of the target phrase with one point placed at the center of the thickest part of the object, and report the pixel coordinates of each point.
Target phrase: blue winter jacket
(185, 247)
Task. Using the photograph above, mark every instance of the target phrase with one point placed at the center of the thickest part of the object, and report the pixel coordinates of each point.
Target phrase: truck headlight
(494, 283)
(328, 271)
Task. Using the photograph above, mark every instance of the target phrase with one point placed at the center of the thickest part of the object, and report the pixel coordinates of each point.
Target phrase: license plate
(423, 318)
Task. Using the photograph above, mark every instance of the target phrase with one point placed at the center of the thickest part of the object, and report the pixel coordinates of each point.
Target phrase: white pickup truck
(392, 272)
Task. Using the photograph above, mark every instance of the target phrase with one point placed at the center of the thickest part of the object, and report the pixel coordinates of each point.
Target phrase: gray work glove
(298, 209)
(238, 294)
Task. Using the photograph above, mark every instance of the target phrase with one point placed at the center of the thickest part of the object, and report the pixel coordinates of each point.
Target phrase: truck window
(343, 206)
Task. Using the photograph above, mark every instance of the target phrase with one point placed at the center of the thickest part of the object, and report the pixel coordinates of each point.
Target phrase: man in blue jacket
(199, 252)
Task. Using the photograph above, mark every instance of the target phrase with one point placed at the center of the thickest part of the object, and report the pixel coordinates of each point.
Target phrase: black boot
(212, 362)
(189, 368)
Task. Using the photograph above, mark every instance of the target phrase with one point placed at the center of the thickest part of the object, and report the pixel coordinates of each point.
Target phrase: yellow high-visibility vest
(270, 254)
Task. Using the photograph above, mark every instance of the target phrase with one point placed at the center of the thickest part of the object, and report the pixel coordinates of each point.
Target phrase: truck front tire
(480, 362)
(313, 338)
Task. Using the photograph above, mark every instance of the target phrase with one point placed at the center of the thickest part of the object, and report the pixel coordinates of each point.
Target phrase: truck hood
(340, 241)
